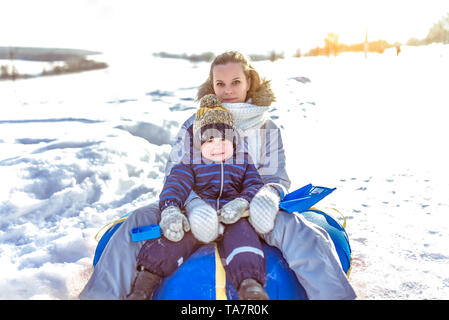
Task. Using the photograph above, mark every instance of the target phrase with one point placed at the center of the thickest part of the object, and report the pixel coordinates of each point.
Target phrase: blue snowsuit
(217, 184)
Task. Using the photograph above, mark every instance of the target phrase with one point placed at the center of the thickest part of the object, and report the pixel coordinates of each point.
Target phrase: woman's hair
(227, 57)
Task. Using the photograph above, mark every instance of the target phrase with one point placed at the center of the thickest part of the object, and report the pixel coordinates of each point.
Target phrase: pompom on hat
(212, 115)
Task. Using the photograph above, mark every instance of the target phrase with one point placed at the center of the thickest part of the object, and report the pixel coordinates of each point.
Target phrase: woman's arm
(180, 149)
(272, 161)
(181, 146)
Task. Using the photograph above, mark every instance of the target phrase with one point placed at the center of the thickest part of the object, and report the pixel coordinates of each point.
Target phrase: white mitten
(203, 220)
(173, 223)
(232, 211)
(264, 208)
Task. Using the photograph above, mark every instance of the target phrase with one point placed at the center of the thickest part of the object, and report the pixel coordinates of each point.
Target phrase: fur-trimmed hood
(262, 96)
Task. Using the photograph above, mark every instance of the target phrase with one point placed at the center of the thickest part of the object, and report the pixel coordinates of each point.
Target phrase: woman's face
(230, 83)
(217, 149)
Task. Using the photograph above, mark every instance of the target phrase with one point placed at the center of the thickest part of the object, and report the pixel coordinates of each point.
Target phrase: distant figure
(398, 49)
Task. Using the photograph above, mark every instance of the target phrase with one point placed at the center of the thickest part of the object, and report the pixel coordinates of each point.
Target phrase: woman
(307, 248)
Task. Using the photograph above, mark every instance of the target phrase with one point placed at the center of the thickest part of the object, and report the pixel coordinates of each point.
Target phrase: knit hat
(212, 120)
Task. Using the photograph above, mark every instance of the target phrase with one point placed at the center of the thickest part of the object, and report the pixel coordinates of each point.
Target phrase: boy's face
(217, 149)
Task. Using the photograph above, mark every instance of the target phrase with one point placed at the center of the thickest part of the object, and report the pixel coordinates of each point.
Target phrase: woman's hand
(203, 220)
(232, 211)
(173, 223)
(264, 208)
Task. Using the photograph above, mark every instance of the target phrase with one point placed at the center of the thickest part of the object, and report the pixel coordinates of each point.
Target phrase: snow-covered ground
(77, 151)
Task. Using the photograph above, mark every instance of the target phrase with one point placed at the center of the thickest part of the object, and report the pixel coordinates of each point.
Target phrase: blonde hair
(227, 57)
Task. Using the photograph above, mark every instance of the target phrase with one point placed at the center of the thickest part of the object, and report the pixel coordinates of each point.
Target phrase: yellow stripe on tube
(220, 278)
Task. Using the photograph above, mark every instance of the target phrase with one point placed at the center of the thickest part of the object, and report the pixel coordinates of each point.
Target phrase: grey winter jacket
(307, 248)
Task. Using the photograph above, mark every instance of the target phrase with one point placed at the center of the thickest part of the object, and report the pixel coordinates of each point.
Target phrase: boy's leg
(242, 252)
(115, 271)
(157, 259)
(162, 256)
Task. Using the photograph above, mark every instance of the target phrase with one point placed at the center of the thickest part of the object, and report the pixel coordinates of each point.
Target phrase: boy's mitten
(203, 220)
(232, 211)
(263, 209)
(173, 223)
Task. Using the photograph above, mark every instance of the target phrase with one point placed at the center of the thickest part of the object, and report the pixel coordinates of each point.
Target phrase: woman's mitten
(203, 220)
(263, 209)
(173, 223)
(232, 211)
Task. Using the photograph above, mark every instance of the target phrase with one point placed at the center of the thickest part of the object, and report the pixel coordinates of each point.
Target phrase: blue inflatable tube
(190, 282)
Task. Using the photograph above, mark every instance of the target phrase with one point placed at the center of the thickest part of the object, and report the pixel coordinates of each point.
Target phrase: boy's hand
(173, 223)
(232, 211)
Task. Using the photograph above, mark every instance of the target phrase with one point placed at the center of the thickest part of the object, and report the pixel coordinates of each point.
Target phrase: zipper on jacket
(221, 185)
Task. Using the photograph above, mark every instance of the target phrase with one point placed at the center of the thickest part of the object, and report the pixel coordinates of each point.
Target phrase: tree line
(439, 33)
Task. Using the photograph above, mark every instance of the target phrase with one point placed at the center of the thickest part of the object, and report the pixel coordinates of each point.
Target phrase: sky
(208, 25)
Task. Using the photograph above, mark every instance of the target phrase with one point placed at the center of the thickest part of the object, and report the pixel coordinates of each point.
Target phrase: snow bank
(56, 196)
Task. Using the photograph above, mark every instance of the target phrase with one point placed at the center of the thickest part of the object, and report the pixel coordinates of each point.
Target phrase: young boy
(227, 180)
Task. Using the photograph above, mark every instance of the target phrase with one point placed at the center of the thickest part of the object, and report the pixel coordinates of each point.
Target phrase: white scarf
(248, 119)
(247, 116)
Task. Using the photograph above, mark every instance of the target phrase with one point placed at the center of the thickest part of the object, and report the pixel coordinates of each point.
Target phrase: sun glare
(214, 25)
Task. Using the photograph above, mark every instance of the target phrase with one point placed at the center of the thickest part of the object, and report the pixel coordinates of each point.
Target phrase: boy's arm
(177, 187)
(252, 182)
(172, 198)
